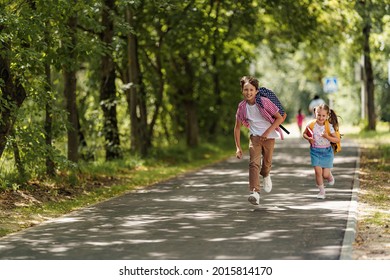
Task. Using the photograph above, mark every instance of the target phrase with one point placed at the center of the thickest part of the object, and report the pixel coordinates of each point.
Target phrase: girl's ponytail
(333, 119)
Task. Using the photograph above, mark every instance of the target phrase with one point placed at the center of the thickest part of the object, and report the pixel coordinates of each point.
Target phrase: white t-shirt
(257, 123)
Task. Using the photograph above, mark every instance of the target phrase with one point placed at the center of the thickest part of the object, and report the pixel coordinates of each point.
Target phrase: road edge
(350, 230)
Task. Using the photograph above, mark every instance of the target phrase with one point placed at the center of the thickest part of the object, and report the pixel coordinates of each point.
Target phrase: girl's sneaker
(331, 180)
(321, 194)
(254, 198)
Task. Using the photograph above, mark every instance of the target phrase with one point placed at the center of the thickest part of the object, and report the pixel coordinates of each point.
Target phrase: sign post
(330, 86)
(388, 72)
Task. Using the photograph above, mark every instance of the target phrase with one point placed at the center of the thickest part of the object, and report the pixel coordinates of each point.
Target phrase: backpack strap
(311, 124)
(327, 127)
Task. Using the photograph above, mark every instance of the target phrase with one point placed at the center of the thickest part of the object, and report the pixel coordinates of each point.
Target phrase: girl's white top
(319, 141)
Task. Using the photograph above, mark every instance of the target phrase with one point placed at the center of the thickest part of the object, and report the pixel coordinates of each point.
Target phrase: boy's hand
(264, 136)
(239, 154)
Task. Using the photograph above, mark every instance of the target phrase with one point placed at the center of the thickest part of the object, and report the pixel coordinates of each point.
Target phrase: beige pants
(260, 153)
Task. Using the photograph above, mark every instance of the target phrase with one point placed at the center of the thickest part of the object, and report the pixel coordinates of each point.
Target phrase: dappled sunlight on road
(206, 215)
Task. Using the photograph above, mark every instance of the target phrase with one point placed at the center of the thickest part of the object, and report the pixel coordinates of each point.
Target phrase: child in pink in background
(300, 117)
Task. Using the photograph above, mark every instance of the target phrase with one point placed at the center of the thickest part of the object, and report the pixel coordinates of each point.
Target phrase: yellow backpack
(336, 146)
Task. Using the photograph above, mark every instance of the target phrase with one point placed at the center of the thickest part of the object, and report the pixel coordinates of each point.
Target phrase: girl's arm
(237, 133)
(332, 138)
(308, 135)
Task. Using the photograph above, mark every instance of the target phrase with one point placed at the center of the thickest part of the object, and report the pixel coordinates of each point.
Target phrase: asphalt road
(205, 215)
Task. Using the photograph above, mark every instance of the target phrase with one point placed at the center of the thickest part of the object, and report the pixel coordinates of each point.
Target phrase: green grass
(375, 167)
(377, 198)
(4, 232)
(378, 219)
(369, 138)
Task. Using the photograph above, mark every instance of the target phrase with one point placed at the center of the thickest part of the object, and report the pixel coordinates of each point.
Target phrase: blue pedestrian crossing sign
(330, 84)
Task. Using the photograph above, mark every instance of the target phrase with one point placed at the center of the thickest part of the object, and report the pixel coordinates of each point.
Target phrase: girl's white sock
(322, 188)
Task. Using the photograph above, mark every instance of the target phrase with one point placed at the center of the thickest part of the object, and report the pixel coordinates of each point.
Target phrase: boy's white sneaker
(254, 198)
(267, 184)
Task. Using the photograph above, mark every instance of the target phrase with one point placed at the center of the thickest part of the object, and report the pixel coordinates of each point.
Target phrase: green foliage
(111, 168)
(192, 55)
(382, 135)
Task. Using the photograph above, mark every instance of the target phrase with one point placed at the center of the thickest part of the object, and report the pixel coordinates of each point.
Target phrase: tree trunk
(369, 76)
(12, 95)
(70, 82)
(218, 99)
(84, 152)
(159, 97)
(184, 100)
(192, 125)
(71, 107)
(17, 158)
(108, 87)
(192, 128)
(215, 74)
(136, 98)
(50, 166)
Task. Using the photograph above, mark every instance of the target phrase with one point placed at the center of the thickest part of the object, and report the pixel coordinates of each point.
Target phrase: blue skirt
(322, 157)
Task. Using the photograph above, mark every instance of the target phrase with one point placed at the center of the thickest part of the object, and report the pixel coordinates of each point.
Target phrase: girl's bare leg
(326, 173)
(319, 175)
(320, 182)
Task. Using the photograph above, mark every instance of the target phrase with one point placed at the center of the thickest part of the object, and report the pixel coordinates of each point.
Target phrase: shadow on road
(205, 215)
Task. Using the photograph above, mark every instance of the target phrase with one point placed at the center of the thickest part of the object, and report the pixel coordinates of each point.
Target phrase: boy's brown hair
(249, 79)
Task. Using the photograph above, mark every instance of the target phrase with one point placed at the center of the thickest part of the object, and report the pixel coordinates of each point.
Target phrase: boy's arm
(237, 133)
(284, 117)
(274, 125)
